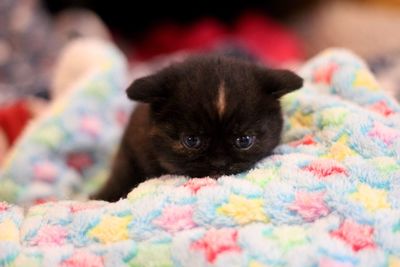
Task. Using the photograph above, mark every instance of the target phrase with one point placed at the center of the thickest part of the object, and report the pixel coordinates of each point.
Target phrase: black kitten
(206, 116)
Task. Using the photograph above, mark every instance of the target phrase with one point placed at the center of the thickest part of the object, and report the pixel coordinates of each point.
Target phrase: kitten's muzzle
(219, 164)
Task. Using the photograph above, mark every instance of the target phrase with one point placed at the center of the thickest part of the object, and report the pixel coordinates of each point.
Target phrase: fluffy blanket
(66, 153)
(329, 196)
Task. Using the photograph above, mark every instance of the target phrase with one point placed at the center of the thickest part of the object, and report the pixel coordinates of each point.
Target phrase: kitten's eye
(244, 142)
(191, 141)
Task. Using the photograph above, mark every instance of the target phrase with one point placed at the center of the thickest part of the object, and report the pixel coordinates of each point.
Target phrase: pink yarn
(216, 242)
(175, 218)
(50, 235)
(91, 125)
(355, 235)
(382, 108)
(196, 184)
(326, 262)
(310, 205)
(3, 206)
(83, 259)
(384, 133)
(45, 171)
(81, 206)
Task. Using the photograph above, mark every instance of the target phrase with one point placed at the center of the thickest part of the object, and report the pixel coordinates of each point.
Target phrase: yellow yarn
(365, 79)
(27, 260)
(142, 190)
(339, 150)
(289, 99)
(111, 229)
(394, 261)
(300, 120)
(38, 210)
(244, 210)
(371, 198)
(9, 231)
(257, 264)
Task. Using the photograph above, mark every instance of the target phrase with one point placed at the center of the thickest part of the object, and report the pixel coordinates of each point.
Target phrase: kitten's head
(214, 116)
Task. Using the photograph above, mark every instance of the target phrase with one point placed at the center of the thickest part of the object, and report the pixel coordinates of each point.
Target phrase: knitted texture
(329, 196)
(67, 152)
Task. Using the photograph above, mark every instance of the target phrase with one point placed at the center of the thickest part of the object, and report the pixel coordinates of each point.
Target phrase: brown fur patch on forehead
(221, 99)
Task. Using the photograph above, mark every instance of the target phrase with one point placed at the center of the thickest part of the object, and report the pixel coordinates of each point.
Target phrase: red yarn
(13, 119)
(355, 235)
(306, 140)
(325, 168)
(382, 108)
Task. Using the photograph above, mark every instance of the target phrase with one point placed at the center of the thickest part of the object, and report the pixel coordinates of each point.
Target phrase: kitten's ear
(279, 82)
(148, 89)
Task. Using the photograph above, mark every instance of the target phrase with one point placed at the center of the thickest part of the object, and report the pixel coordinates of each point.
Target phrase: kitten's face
(214, 116)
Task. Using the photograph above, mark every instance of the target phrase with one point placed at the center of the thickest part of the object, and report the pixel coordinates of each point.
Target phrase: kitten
(206, 116)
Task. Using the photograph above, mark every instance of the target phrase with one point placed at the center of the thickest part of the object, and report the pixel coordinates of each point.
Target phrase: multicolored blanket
(329, 196)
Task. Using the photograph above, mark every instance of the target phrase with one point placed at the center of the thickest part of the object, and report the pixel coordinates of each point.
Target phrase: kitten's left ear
(279, 82)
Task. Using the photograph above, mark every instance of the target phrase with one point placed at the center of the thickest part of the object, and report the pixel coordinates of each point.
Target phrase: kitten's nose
(218, 163)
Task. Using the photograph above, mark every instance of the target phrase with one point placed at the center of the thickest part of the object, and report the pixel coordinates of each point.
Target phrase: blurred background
(277, 33)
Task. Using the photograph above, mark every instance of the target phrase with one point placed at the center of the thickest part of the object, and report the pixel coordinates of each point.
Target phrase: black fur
(181, 99)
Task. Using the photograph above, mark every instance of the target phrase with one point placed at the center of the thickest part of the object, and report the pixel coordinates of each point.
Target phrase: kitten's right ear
(148, 89)
(278, 82)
